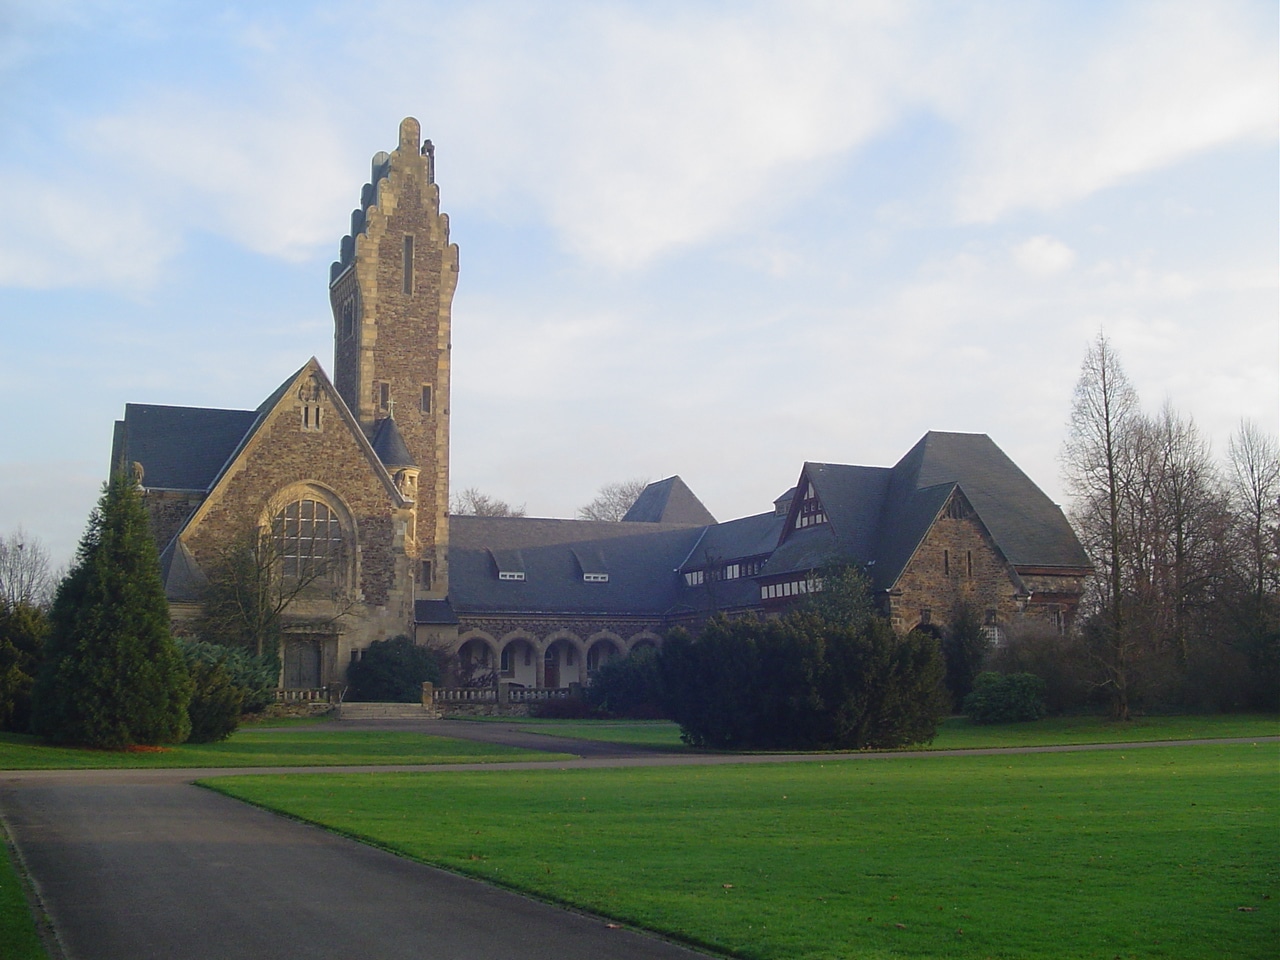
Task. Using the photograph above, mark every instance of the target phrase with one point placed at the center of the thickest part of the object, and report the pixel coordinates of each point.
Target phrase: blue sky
(708, 239)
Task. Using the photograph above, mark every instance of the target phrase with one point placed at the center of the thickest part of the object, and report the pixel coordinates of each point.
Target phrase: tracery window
(308, 540)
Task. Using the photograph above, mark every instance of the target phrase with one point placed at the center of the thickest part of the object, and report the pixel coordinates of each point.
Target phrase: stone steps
(387, 711)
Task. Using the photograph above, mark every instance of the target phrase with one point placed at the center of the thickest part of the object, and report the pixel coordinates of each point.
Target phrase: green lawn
(18, 937)
(1149, 853)
(291, 746)
(958, 733)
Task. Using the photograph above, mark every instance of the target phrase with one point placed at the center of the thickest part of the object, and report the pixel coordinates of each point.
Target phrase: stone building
(346, 482)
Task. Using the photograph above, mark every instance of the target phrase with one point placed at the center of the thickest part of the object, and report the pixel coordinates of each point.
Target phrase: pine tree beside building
(112, 675)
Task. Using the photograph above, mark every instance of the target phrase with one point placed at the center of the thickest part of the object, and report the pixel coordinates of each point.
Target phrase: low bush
(628, 686)
(226, 682)
(1005, 698)
(392, 671)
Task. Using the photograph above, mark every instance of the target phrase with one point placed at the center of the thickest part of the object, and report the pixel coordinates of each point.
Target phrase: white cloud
(1161, 82)
(268, 178)
(73, 234)
(1043, 256)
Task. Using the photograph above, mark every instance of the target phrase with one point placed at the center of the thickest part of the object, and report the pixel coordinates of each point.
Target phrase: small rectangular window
(382, 395)
(946, 563)
(408, 265)
(595, 578)
(425, 573)
(968, 559)
(426, 398)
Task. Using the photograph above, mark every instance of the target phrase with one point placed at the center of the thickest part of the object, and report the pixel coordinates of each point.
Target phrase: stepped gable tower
(392, 294)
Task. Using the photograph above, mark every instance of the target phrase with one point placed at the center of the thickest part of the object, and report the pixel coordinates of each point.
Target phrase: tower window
(349, 317)
(968, 561)
(426, 398)
(408, 265)
(946, 563)
(382, 395)
(426, 573)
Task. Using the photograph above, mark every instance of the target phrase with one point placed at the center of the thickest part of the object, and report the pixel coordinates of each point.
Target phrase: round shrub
(1005, 698)
(215, 703)
(392, 671)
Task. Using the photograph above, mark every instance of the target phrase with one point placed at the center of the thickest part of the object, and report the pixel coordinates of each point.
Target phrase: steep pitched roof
(389, 445)
(669, 501)
(852, 499)
(1028, 527)
(180, 448)
(264, 412)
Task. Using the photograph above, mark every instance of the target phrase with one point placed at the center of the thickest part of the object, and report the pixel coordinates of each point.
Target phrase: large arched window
(308, 541)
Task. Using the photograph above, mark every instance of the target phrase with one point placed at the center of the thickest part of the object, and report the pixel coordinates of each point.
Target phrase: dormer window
(694, 578)
(510, 574)
(811, 512)
(595, 578)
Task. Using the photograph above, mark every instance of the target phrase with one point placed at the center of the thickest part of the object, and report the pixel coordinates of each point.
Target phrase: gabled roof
(1028, 527)
(389, 445)
(669, 501)
(852, 499)
(264, 413)
(180, 448)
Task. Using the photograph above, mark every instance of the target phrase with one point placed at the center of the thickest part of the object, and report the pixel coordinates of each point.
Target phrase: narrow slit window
(408, 265)
(946, 563)
(426, 398)
(968, 560)
(425, 579)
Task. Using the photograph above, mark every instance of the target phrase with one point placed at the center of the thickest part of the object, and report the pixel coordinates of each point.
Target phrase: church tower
(392, 293)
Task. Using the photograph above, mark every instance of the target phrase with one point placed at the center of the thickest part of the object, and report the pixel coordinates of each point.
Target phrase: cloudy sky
(714, 239)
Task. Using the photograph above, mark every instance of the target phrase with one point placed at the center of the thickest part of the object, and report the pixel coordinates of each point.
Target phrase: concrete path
(140, 864)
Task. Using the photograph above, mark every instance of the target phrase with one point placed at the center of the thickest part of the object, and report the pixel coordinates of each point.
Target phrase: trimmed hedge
(1005, 698)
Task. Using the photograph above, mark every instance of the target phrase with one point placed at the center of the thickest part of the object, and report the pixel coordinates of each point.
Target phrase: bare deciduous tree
(614, 500)
(1097, 468)
(1254, 488)
(25, 575)
(472, 503)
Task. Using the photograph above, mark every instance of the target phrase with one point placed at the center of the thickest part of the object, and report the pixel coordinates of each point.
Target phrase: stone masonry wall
(957, 563)
(281, 459)
(402, 331)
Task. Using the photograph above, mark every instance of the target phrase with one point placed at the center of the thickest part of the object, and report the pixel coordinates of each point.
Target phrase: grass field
(1152, 853)
(958, 733)
(291, 746)
(18, 938)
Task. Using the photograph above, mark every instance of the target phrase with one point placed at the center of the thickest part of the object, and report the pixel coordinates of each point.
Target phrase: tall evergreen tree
(112, 675)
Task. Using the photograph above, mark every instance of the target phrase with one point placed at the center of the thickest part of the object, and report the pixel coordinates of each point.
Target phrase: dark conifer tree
(112, 675)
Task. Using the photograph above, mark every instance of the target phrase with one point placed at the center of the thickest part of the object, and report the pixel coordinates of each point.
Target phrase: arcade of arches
(560, 659)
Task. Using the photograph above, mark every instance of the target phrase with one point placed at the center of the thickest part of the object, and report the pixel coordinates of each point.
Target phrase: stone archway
(476, 661)
(518, 661)
(601, 652)
(562, 662)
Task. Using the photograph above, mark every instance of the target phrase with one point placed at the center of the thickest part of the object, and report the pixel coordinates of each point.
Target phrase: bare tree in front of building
(613, 500)
(249, 593)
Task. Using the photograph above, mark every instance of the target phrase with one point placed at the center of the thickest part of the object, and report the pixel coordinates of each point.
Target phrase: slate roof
(1029, 528)
(389, 445)
(753, 536)
(183, 579)
(434, 612)
(669, 501)
(640, 559)
(180, 448)
(878, 516)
